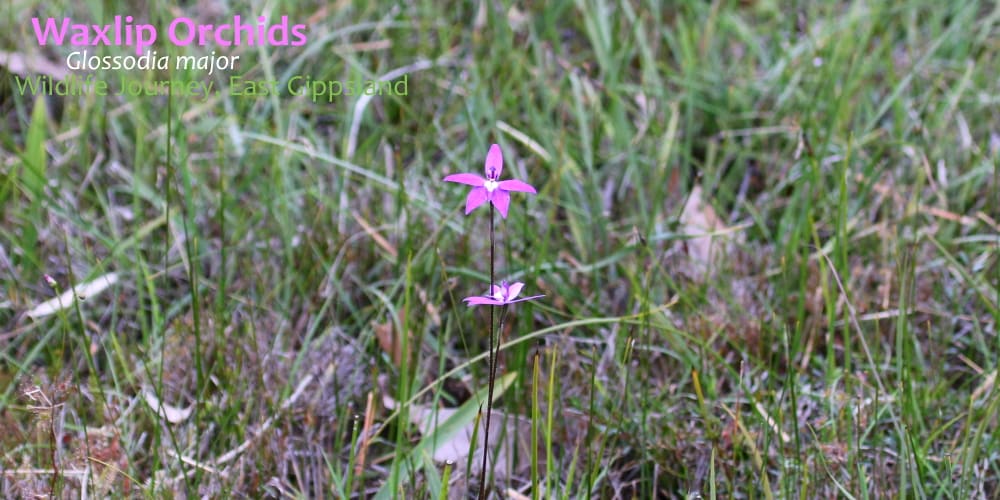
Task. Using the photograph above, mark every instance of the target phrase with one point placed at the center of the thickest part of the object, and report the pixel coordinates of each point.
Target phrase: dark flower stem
(491, 368)
(496, 355)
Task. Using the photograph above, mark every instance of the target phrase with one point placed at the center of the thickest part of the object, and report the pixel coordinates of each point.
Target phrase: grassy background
(840, 338)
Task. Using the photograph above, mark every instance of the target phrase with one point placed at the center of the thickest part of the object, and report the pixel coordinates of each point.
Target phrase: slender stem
(496, 353)
(491, 368)
(493, 376)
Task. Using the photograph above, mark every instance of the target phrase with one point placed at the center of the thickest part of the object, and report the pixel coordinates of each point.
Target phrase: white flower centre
(490, 185)
(500, 294)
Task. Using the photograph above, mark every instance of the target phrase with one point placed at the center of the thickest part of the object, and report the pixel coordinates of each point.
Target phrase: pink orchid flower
(491, 188)
(500, 295)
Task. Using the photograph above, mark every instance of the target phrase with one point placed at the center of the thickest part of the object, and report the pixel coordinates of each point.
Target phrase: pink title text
(182, 31)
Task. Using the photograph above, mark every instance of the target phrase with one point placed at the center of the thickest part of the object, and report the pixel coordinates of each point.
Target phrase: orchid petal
(477, 196)
(470, 179)
(500, 295)
(481, 301)
(494, 162)
(513, 290)
(533, 297)
(501, 200)
(516, 185)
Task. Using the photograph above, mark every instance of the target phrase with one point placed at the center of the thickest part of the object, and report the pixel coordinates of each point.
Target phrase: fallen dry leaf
(379, 239)
(456, 447)
(704, 252)
(390, 341)
(366, 435)
(26, 66)
(66, 298)
(171, 414)
(985, 387)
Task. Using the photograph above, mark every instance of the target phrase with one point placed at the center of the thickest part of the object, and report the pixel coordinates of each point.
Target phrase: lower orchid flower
(500, 295)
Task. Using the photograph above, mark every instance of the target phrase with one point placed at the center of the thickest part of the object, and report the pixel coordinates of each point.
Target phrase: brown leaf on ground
(170, 413)
(27, 65)
(66, 298)
(514, 430)
(706, 245)
(390, 341)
